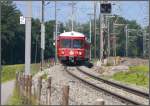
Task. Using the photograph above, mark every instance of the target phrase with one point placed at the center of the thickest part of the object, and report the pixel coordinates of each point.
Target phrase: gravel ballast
(79, 93)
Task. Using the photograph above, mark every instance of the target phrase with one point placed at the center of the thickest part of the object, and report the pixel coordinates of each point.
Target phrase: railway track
(95, 80)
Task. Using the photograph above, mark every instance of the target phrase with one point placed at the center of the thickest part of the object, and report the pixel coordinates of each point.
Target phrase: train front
(71, 47)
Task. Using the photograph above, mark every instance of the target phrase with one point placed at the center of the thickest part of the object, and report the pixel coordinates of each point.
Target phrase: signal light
(106, 8)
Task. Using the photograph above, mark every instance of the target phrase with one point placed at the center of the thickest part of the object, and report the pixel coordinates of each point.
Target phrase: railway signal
(105, 8)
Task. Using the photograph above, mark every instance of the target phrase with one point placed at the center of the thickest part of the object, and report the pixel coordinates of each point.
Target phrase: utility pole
(72, 15)
(42, 36)
(36, 48)
(126, 32)
(55, 32)
(144, 42)
(90, 38)
(28, 38)
(101, 34)
(108, 34)
(90, 33)
(114, 40)
(101, 25)
(95, 30)
(108, 40)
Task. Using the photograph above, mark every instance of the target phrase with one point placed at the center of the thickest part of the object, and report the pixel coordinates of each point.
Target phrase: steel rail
(126, 88)
(122, 98)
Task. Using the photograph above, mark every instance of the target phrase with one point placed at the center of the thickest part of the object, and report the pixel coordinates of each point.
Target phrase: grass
(35, 68)
(16, 100)
(136, 75)
(9, 71)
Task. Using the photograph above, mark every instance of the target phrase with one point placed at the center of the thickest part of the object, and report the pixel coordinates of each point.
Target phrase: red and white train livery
(72, 47)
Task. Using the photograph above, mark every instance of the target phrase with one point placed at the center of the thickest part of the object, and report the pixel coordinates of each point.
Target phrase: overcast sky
(132, 10)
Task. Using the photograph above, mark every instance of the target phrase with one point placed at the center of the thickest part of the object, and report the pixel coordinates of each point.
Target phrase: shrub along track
(115, 89)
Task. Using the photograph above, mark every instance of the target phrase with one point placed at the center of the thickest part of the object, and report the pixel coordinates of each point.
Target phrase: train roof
(72, 34)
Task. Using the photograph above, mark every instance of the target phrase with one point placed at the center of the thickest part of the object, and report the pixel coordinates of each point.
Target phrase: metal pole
(113, 38)
(55, 32)
(72, 16)
(100, 32)
(95, 30)
(42, 36)
(28, 38)
(144, 42)
(115, 44)
(90, 33)
(126, 31)
(90, 37)
(36, 49)
(108, 38)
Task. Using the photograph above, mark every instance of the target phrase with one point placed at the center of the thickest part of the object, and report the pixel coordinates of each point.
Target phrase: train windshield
(77, 43)
(66, 43)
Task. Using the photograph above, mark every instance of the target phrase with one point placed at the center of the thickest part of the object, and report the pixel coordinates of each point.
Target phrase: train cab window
(65, 43)
(77, 43)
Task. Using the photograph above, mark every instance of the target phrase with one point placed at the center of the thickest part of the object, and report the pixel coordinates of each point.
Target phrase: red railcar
(72, 47)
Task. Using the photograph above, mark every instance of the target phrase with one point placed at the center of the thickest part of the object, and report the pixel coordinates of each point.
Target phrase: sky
(131, 10)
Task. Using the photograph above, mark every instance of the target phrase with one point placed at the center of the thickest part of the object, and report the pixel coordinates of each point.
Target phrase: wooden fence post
(49, 91)
(23, 82)
(20, 85)
(30, 86)
(26, 90)
(65, 96)
(23, 88)
(100, 102)
(35, 96)
(17, 80)
(39, 89)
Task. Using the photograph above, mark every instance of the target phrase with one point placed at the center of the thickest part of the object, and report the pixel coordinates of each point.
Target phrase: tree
(13, 37)
(12, 34)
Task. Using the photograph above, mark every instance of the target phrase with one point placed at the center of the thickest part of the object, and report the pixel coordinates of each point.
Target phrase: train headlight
(71, 52)
(62, 52)
(80, 53)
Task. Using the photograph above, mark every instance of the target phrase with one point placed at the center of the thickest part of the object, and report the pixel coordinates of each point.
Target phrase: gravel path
(7, 91)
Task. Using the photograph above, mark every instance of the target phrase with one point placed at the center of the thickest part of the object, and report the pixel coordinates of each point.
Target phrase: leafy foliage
(13, 37)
